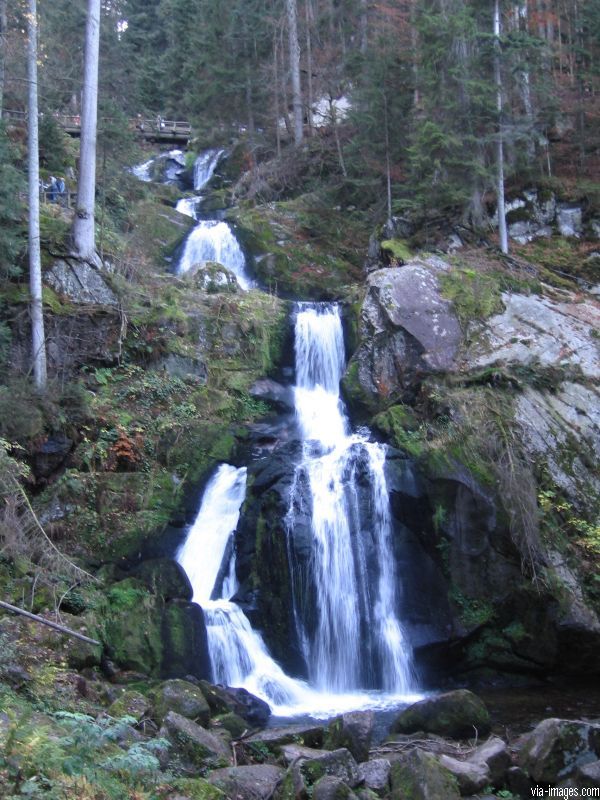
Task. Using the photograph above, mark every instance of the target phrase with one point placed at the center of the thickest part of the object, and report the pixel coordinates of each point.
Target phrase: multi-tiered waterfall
(355, 645)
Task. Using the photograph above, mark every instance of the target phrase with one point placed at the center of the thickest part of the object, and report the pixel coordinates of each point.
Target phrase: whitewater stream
(357, 656)
(355, 651)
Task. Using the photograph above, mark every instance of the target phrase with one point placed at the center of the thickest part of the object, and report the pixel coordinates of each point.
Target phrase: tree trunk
(363, 26)
(38, 340)
(309, 105)
(83, 228)
(502, 233)
(3, 34)
(295, 69)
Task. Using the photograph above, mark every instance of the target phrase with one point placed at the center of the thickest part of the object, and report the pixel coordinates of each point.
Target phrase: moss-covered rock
(419, 776)
(182, 697)
(130, 704)
(458, 714)
(195, 745)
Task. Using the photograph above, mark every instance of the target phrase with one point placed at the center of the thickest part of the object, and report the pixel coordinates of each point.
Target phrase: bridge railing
(149, 128)
(66, 199)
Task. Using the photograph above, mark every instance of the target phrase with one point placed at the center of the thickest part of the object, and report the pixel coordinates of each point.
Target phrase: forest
(299, 391)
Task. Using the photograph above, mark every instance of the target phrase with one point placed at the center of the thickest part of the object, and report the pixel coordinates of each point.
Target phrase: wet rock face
(557, 748)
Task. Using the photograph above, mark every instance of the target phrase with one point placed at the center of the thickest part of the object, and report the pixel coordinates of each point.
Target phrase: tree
(502, 233)
(38, 339)
(3, 27)
(292, 14)
(84, 239)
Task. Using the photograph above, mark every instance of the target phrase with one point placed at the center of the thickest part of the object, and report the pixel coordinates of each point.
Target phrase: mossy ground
(304, 247)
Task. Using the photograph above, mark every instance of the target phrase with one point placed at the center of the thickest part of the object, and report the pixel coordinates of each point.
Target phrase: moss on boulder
(458, 714)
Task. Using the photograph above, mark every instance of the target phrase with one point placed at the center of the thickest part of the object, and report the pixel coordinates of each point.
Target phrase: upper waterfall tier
(213, 241)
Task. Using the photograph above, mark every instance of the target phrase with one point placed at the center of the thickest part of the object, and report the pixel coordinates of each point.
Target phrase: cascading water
(351, 566)
(356, 593)
(212, 240)
(204, 167)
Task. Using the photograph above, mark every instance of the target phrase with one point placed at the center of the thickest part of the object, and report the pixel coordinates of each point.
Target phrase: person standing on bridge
(60, 186)
(52, 189)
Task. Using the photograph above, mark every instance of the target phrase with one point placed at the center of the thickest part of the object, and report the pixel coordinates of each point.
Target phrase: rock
(470, 776)
(556, 748)
(275, 393)
(194, 744)
(51, 454)
(459, 714)
(331, 788)
(165, 577)
(225, 699)
(214, 278)
(178, 366)
(130, 704)
(234, 725)
(407, 329)
(256, 782)
(293, 785)
(588, 775)
(353, 731)
(80, 282)
(275, 738)
(375, 775)
(518, 782)
(314, 764)
(495, 755)
(184, 641)
(568, 219)
(419, 776)
(535, 329)
(182, 697)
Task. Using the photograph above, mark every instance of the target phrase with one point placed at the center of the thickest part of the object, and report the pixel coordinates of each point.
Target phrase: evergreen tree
(12, 232)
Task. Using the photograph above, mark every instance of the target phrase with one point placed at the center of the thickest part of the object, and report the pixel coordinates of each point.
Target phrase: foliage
(12, 227)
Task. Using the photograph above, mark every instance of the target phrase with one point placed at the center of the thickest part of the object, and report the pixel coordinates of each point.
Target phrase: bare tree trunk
(83, 227)
(502, 233)
(363, 25)
(276, 91)
(38, 339)
(388, 170)
(292, 14)
(309, 20)
(3, 26)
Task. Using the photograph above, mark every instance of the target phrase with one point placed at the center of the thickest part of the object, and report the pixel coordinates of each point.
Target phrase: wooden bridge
(151, 130)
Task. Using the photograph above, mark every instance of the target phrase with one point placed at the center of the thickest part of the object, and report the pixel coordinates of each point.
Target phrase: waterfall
(204, 167)
(214, 241)
(355, 650)
(188, 206)
(352, 563)
(238, 654)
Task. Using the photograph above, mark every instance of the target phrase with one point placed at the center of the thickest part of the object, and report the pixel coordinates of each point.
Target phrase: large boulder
(353, 731)
(226, 699)
(314, 764)
(419, 776)
(459, 714)
(470, 776)
(165, 577)
(80, 282)
(407, 330)
(494, 754)
(182, 697)
(274, 738)
(556, 748)
(332, 788)
(375, 775)
(255, 782)
(195, 745)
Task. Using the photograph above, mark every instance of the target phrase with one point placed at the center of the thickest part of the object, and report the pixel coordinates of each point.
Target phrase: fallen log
(55, 625)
